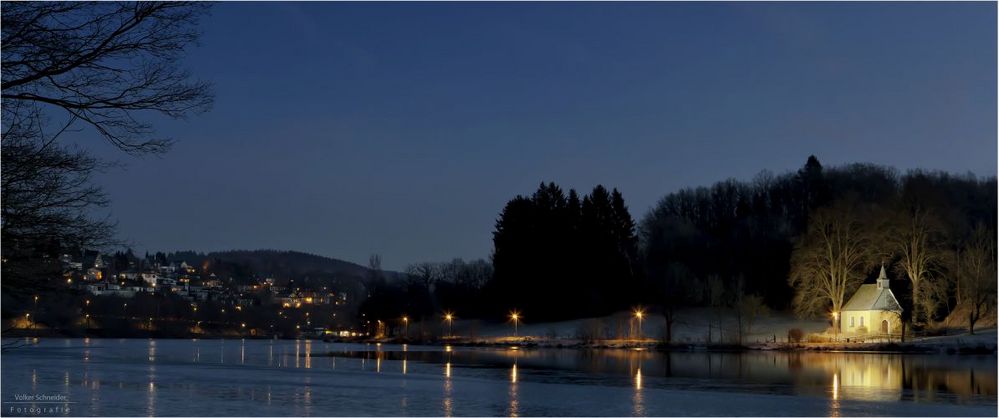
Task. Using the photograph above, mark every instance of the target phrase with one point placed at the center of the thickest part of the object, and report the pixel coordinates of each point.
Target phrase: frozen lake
(263, 377)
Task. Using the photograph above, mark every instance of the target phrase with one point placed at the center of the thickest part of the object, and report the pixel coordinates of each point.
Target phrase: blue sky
(402, 129)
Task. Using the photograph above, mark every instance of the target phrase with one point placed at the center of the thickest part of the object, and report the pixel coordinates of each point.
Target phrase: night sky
(402, 129)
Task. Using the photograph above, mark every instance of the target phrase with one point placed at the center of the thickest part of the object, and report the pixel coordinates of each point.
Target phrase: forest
(558, 255)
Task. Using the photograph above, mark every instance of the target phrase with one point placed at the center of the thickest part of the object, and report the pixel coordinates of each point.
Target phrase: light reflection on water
(514, 410)
(637, 401)
(834, 405)
(837, 376)
(101, 376)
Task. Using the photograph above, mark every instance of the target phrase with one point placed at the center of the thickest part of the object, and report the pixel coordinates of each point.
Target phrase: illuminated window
(851, 322)
(861, 321)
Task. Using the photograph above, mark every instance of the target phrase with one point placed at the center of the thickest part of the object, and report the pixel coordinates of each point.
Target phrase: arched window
(851, 322)
(861, 321)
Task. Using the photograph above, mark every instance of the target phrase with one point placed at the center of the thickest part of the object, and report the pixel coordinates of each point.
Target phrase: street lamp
(639, 314)
(405, 321)
(449, 317)
(86, 311)
(515, 316)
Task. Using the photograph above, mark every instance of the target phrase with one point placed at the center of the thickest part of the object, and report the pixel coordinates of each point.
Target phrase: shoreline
(909, 347)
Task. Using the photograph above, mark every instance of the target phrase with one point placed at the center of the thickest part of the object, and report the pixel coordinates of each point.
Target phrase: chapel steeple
(882, 278)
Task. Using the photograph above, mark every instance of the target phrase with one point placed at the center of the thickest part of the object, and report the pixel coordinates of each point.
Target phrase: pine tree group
(554, 249)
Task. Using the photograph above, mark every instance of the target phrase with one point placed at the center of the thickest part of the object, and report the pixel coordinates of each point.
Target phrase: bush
(795, 335)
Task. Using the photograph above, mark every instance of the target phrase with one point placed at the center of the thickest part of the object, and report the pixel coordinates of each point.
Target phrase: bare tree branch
(104, 64)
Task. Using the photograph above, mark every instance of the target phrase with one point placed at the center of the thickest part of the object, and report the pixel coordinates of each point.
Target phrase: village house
(873, 310)
(151, 278)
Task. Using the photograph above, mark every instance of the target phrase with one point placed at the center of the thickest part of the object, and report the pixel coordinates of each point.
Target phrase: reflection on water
(514, 410)
(157, 377)
(448, 389)
(307, 397)
(151, 391)
(308, 354)
(836, 376)
(636, 400)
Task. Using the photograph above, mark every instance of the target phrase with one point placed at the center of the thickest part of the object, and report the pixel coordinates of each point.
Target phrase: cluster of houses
(92, 273)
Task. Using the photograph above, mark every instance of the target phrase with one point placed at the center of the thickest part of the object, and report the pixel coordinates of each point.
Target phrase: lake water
(264, 377)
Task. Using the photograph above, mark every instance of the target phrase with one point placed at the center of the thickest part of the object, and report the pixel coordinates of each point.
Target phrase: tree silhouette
(103, 65)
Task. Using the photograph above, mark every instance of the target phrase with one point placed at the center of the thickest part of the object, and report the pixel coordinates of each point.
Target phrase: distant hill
(282, 264)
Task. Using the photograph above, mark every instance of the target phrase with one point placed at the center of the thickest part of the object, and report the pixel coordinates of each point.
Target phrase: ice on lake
(102, 377)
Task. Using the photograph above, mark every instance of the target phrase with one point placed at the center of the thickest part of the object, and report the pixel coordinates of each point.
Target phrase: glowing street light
(639, 314)
(35, 311)
(515, 316)
(449, 317)
(405, 321)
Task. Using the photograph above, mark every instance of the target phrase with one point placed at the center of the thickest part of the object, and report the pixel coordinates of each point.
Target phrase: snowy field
(691, 326)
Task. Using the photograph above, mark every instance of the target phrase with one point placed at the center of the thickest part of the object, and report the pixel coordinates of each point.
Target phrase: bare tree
(831, 259)
(749, 308)
(47, 196)
(976, 272)
(915, 237)
(678, 288)
(424, 274)
(103, 65)
(716, 298)
(375, 273)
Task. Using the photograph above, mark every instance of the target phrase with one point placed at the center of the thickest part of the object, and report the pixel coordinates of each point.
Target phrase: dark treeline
(426, 292)
(743, 234)
(559, 255)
